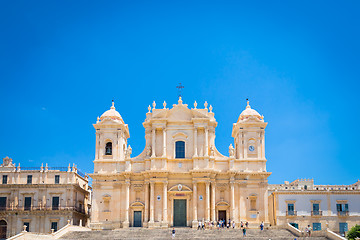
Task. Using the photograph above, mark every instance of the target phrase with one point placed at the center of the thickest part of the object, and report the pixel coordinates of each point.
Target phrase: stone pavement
(186, 233)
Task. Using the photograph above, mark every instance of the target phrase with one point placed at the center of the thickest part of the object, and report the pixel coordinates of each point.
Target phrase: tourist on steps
(244, 232)
(173, 233)
(262, 226)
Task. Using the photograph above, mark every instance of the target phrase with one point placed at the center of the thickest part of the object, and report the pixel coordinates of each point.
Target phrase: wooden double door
(179, 213)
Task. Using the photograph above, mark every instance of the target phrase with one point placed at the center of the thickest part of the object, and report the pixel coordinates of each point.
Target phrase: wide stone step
(186, 233)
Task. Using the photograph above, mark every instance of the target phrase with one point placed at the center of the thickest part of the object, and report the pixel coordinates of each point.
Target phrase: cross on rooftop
(180, 87)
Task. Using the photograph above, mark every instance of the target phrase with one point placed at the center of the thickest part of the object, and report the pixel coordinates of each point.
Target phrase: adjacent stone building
(180, 177)
(42, 198)
(302, 203)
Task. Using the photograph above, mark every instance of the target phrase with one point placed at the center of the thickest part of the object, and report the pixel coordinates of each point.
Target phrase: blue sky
(62, 62)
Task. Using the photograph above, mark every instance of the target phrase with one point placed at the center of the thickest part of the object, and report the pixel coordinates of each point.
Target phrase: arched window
(108, 148)
(180, 149)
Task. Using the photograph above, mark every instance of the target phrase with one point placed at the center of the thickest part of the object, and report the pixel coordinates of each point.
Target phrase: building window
(291, 209)
(316, 226)
(29, 179)
(316, 209)
(54, 225)
(57, 179)
(108, 148)
(27, 224)
(180, 149)
(342, 209)
(2, 203)
(27, 203)
(55, 203)
(343, 228)
(5, 179)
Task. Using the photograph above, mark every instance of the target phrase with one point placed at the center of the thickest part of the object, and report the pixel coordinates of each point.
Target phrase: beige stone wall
(73, 192)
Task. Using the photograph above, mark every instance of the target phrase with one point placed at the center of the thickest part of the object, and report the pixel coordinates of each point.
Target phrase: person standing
(233, 224)
(247, 224)
(309, 229)
(244, 232)
(173, 233)
(262, 226)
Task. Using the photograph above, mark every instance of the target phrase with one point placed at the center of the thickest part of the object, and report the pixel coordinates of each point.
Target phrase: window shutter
(346, 207)
(338, 207)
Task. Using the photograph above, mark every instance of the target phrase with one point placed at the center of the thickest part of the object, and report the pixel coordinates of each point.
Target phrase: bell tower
(111, 137)
(249, 138)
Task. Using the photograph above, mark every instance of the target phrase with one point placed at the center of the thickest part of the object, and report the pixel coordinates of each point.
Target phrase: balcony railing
(52, 208)
(316, 213)
(343, 213)
(291, 213)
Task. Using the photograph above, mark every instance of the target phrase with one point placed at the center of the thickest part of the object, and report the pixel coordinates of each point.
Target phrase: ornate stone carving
(212, 151)
(7, 162)
(231, 151)
(138, 187)
(222, 186)
(128, 152)
(148, 151)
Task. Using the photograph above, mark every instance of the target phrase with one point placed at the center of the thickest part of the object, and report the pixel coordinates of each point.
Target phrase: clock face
(251, 148)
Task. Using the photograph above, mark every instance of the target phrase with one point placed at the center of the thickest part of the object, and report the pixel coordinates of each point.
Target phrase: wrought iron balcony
(291, 213)
(343, 213)
(37, 208)
(316, 213)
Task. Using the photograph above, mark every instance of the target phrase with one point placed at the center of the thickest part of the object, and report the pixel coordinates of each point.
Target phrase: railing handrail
(318, 212)
(291, 213)
(41, 208)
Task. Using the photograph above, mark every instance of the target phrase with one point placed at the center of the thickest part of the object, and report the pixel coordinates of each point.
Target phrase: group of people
(221, 223)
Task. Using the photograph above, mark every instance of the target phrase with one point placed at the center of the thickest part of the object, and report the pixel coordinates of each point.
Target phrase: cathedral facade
(180, 178)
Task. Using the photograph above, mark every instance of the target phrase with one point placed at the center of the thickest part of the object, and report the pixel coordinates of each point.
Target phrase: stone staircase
(186, 233)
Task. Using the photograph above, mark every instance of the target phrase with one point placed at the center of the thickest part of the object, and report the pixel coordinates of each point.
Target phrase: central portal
(179, 213)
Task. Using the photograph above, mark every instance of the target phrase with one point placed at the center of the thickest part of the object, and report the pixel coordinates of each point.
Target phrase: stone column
(266, 202)
(232, 203)
(153, 143)
(127, 202)
(206, 142)
(165, 215)
(195, 220)
(195, 142)
(146, 213)
(164, 142)
(152, 202)
(213, 214)
(207, 213)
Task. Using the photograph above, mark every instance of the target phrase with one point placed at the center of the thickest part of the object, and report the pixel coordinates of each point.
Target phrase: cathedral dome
(112, 113)
(249, 112)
